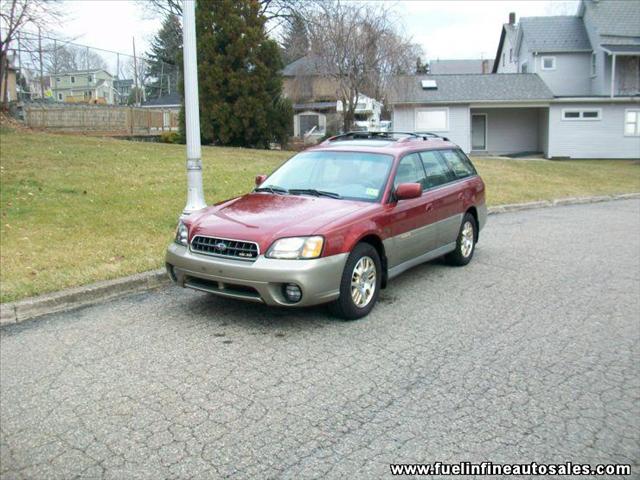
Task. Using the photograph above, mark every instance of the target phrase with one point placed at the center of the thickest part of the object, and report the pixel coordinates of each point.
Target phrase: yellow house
(12, 94)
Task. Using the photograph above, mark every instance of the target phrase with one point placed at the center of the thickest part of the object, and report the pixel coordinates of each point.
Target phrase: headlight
(296, 248)
(182, 234)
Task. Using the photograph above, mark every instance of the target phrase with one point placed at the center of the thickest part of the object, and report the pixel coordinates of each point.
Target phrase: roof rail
(404, 136)
(427, 135)
(364, 135)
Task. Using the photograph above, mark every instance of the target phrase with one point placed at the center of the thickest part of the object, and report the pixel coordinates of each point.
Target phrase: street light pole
(195, 193)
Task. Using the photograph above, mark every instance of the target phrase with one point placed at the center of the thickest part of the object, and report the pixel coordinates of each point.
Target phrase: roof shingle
(555, 34)
(617, 22)
(469, 88)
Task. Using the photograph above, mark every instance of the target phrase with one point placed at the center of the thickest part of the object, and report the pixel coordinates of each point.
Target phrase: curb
(560, 202)
(22, 310)
(17, 312)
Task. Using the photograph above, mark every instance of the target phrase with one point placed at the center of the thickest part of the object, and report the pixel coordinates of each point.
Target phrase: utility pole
(41, 67)
(195, 193)
(135, 73)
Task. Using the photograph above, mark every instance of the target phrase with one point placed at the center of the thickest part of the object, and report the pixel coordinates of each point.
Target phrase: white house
(563, 86)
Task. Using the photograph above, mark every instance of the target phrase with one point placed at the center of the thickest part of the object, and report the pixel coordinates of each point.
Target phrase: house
(10, 86)
(169, 105)
(563, 86)
(83, 86)
(122, 90)
(497, 113)
(443, 67)
(314, 98)
(317, 110)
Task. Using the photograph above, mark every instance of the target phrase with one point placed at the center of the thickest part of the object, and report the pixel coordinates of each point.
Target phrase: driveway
(531, 353)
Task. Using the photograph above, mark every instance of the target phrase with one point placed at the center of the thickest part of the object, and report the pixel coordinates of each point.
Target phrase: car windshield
(350, 175)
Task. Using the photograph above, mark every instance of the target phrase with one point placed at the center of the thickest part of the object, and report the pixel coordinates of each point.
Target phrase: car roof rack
(391, 136)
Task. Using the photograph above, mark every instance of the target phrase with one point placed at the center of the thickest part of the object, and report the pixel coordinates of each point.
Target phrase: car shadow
(226, 311)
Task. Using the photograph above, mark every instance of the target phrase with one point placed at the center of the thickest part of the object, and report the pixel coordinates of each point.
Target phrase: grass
(79, 209)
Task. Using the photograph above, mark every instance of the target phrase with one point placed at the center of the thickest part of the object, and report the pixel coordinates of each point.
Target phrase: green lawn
(79, 209)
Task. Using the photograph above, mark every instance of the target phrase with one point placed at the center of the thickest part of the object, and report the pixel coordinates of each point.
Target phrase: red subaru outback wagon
(335, 223)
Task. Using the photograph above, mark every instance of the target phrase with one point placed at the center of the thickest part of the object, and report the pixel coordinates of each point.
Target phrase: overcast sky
(444, 29)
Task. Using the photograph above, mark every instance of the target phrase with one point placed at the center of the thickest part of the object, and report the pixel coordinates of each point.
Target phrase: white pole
(195, 193)
(613, 75)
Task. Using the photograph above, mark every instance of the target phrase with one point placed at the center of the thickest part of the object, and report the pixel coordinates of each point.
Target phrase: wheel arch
(376, 242)
(474, 213)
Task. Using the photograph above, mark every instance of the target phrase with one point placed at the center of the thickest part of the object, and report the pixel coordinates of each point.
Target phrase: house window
(578, 114)
(503, 57)
(73, 79)
(432, 119)
(90, 78)
(511, 55)
(632, 123)
(593, 64)
(59, 96)
(523, 68)
(548, 63)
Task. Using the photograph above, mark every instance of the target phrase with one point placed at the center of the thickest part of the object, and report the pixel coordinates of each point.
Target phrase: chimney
(512, 18)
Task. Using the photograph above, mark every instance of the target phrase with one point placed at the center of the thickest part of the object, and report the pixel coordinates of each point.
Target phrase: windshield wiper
(272, 189)
(313, 191)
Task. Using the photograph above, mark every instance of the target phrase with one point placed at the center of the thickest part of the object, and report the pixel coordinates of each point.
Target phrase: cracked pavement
(531, 353)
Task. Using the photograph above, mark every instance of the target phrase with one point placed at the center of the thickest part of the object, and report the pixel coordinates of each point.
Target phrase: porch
(509, 131)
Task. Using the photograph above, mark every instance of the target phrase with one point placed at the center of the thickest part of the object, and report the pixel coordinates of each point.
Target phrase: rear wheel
(360, 283)
(465, 243)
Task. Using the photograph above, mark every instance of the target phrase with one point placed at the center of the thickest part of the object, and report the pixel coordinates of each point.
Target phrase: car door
(406, 217)
(457, 195)
(440, 197)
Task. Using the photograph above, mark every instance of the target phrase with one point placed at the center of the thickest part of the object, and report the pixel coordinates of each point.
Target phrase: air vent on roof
(429, 84)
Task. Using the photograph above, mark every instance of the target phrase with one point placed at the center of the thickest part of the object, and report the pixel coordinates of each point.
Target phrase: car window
(437, 170)
(459, 163)
(352, 175)
(410, 171)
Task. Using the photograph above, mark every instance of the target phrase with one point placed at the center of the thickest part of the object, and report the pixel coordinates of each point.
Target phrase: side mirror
(260, 179)
(405, 191)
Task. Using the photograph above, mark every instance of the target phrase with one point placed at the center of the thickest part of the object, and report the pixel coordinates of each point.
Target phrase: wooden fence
(104, 119)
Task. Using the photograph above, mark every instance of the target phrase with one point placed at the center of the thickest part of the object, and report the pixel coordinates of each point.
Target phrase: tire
(463, 253)
(365, 257)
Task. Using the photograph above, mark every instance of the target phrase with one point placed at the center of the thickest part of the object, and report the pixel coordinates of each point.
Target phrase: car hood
(265, 217)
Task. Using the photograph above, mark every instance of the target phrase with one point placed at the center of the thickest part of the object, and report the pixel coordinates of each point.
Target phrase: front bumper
(259, 281)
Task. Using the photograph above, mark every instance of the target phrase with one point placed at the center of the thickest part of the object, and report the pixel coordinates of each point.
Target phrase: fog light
(292, 292)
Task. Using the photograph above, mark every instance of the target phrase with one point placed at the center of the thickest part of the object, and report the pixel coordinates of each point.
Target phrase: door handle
(429, 207)
(460, 196)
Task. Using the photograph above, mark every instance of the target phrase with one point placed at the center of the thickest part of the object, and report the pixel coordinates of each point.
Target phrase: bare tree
(360, 47)
(273, 10)
(69, 58)
(14, 16)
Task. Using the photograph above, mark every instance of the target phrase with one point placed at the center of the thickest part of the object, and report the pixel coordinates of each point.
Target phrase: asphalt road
(531, 353)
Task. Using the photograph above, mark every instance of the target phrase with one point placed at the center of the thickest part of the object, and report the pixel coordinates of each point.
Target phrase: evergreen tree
(164, 64)
(240, 87)
(295, 40)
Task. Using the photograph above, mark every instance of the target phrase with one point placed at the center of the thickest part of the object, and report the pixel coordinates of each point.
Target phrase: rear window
(459, 163)
(437, 170)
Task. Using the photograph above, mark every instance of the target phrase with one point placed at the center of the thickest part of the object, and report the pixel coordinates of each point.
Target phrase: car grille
(224, 247)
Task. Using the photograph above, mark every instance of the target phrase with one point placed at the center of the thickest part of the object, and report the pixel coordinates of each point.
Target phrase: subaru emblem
(221, 246)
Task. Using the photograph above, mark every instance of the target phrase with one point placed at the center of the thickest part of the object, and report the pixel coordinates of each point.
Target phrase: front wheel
(465, 243)
(360, 283)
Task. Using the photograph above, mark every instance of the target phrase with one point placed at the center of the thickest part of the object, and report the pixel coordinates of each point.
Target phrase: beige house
(314, 97)
(85, 86)
(12, 94)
